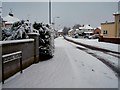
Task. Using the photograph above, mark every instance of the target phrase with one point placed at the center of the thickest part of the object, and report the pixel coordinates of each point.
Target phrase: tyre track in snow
(90, 50)
(115, 69)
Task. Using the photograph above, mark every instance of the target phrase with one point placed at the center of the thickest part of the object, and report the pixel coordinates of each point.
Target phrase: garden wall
(109, 40)
(27, 48)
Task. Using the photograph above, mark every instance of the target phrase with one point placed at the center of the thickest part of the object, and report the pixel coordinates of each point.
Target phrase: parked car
(95, 36)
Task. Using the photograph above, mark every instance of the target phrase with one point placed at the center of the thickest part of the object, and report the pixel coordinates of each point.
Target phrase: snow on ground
(109, 58)
(69, 68)
(94, 42)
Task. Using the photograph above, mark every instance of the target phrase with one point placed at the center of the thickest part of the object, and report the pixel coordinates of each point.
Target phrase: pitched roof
(61, 30)
(10, 19)
(80, 27)
(71, 30)
(116, 13)
(87, 27)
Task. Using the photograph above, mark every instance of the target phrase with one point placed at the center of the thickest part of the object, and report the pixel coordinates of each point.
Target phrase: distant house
(2, 23)
(60, 32)
(86, 29)
(97, 30)
(71, 32)
(111, 29)
(9, 20)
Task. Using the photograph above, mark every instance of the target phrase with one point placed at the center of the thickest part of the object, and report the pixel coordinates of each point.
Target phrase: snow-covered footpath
(111, 58)
(69, 68)
(94, 42)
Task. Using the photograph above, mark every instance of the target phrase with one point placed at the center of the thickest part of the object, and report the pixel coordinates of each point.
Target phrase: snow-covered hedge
(18, 30)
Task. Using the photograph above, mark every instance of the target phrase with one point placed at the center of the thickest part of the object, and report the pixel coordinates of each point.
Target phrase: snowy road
(69, 68)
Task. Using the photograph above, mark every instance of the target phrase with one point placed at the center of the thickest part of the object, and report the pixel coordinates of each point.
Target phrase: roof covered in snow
(99, 27)
(87, 27)
(77, 29)
(80, 27)
(10, 19)
(70, 30)
(61, 30)
(116, 13)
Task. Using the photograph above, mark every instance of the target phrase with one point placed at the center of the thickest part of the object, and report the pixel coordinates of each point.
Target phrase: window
(105, 32)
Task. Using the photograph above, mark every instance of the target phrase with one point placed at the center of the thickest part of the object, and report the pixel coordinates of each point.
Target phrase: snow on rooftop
(10, 19)
(87, 27)
(80, 27)
(118, 12)
(77, 29)
(99, 27)
(70, 30)
(61, 30)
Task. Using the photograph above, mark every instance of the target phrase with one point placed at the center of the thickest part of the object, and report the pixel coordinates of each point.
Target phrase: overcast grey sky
(70, 13)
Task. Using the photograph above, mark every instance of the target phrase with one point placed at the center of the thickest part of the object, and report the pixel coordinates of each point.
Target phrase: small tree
(76, 26)
(65, 30)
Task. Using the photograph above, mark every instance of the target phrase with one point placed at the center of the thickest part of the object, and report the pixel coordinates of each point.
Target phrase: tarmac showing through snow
(69, 68)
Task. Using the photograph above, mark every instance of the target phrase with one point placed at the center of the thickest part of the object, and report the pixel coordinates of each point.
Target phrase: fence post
(35, 36)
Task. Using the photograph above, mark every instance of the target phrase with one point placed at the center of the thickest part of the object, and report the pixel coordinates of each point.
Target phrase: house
(108, 29)
(86, 30)
(60, 32)
(71, 32)
(81, 31)
(111, 29)
(97, 30)
(9, 20)
(2, 23)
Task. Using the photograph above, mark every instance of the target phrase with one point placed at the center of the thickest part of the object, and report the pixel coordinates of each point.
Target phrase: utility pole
(49, 11)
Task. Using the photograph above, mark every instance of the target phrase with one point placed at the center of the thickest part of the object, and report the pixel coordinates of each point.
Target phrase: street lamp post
(49, 11)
